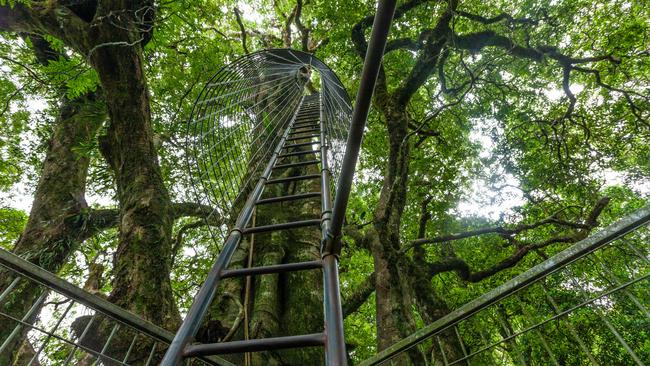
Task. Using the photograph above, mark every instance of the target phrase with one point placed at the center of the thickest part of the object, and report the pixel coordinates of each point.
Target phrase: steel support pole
(192, 321)
(332, 219)
(371, 65)
(335, 353)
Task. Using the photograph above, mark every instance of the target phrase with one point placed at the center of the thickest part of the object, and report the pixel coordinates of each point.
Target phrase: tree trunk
(55, 225)
(394, 291)
(142, 259)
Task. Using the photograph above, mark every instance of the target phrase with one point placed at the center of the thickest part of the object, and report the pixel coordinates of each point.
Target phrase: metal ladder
(305, 129)
(331, 221)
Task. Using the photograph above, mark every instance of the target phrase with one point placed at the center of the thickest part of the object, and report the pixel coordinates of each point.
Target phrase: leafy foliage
(532, 109)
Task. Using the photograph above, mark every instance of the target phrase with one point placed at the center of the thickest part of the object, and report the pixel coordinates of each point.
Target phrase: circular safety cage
(242, 113)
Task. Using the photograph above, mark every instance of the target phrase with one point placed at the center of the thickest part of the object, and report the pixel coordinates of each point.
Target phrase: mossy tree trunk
(142, 259)
(111, 34)
(57, 221)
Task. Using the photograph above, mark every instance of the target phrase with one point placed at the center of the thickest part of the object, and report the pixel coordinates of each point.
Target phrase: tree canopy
(501, 132)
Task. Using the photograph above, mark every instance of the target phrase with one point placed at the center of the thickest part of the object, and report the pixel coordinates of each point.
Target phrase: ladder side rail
(204, 297)
(335, 353)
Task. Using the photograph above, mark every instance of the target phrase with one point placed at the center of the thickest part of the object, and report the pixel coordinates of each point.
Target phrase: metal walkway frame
(330, 223)
(25, 271)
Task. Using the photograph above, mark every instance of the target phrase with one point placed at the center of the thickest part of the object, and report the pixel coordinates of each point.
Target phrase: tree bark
(142, 259)
(56, 221)
(394, 292)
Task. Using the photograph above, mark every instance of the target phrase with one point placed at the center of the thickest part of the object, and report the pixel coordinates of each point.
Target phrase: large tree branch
(192, 209)
(359, 295)
(476, 41)
(566, 86)
(433, 43)
(466, 273)
(503, 231)
(497, 18)
(636, 110)
(304, 31)
(358, 30)
(288, 20)
(401, 44)
(98, 220)
(242, 29)
(58, 21)
(178, 242)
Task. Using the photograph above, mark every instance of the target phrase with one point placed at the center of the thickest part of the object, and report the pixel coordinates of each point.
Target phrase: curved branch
(304, 31)
(401, 44)
(589, 223)
(98, 220)
(497, 18)
(192, 209)
(627, 94)
(178, 242)
(566, 81)
(434, 42)
(466, 273)
(58, 21)
(242, 29)
(358, 30)
(359, 295)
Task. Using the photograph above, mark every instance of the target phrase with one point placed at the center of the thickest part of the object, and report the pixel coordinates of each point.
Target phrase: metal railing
(586, 305)
(69, 326)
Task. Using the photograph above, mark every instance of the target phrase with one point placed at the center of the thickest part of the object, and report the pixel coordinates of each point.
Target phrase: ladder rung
(255, 345)
(282, 226)
(278, 268)
(306, 120)
(306, 125)
(291, 179)
(298, 153)
(303, 137)
(299, 163)
(292, 197)
(301, 144)
(304, 131)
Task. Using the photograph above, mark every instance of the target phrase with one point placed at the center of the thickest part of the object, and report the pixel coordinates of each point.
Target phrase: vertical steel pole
(371, 65)
(332, 219)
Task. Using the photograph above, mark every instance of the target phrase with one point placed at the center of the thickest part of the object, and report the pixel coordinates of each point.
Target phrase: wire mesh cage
(241, 114)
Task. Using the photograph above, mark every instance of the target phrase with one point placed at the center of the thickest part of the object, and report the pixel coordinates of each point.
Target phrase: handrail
(38, 274)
